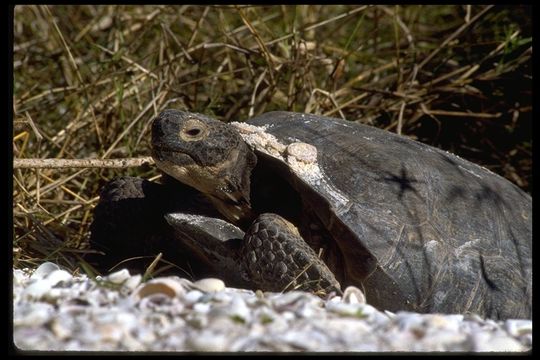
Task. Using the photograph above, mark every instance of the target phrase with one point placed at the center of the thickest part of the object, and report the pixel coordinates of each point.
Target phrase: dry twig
(81, 163)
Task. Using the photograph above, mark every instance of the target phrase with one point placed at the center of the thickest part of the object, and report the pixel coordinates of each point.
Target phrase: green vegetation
(88, 80)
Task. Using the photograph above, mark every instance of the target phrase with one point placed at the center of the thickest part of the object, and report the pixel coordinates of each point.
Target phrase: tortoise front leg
(128, 221)
(129, 224)
(276, 258)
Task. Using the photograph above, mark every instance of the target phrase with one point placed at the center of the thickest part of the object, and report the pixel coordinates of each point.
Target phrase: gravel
(54, 310)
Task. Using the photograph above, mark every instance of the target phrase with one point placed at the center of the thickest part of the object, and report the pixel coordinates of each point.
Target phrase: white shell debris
(42, 281)
(43, 270)
(353, 295)
(58, 276)
(119, 277)
(37, 289)
(165, 286)
(209, 285)
(132, 282)
(174, 314)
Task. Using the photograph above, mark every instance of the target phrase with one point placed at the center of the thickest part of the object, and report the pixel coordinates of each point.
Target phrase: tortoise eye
(194, 130)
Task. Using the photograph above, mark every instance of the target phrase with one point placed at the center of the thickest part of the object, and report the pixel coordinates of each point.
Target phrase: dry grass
(89, 79)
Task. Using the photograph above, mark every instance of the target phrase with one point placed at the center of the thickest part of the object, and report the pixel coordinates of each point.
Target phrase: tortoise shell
(417, 227)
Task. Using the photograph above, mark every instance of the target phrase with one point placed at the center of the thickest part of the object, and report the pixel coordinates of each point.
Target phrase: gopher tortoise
(297, 201)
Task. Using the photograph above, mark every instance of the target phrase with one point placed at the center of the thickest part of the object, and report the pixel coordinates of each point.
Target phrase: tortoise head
(208, 155)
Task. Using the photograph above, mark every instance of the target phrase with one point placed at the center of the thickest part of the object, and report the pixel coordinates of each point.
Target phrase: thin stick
(461, 114)
(253, 95)
(400, 118)
(65, 44)
(260, 42)
(80, 163)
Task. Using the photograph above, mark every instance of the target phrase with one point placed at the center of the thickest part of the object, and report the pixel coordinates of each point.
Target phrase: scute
(451, 235)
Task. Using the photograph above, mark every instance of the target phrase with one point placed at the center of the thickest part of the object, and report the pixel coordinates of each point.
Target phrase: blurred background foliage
(88, 80)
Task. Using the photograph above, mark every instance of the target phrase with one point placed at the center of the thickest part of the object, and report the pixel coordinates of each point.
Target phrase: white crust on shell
(301, 158)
